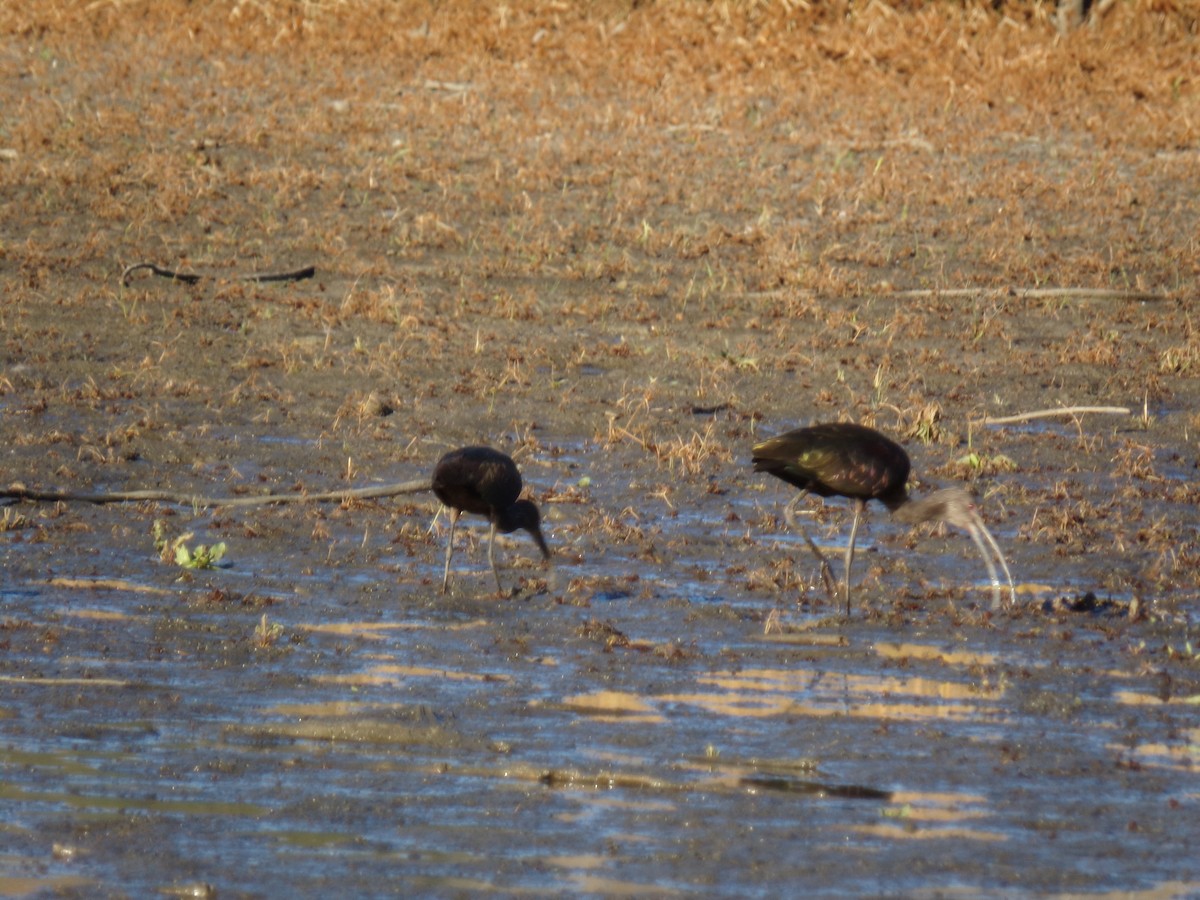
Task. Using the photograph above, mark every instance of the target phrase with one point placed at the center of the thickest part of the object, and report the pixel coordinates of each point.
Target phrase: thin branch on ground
(20, 492)
(1058, 293)
(192, 278)
(1051, 413)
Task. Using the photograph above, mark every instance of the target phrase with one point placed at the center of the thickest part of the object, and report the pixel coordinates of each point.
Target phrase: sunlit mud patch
(758, 693)
(613, 706)
(108, 584)
(39, 886)
(376, 631)
(613, 887)
(951, 657)
(1180, 755)
(923, 816)
(363, 723)
(63, 681)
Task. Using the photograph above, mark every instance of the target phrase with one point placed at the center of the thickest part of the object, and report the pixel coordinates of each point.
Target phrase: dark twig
(191, 278)
(20, 492)
(1059, 293)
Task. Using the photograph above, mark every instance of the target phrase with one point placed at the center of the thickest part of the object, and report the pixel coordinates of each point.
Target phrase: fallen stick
(20, 492)
(1058, 293)
(192, 278)
(1050, 413)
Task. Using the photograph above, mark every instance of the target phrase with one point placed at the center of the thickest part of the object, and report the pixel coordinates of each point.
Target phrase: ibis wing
(804, 467)
(477, 480)
(835, 459)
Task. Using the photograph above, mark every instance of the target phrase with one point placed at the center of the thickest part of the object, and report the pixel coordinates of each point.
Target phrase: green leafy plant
(978, 463)
(176, 549)
(202, 557)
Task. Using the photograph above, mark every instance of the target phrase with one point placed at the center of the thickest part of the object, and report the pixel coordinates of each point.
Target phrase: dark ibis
(486, 482)
(841, 459)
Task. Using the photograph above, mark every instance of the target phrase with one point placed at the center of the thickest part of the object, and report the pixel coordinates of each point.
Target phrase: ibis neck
(953, 505)
(899, 503)
(522, 514)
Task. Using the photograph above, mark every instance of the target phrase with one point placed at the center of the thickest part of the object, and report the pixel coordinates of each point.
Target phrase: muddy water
(625, 727)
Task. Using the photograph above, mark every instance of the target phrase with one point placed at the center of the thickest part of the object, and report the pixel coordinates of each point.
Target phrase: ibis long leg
(978, 534)
(987, 561)
(859, 505)
(1012, 589)
(491, 561)
(453, 513)
(789, 513)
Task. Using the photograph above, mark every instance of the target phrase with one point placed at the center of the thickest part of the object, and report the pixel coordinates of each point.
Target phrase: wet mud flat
(316, 721)
(537, 228)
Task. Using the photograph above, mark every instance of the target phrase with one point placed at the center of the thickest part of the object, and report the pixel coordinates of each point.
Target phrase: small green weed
(266, 633)
(176, 550)
(978, 464)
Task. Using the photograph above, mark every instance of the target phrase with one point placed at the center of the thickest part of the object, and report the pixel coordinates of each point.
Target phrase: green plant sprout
(177, 550)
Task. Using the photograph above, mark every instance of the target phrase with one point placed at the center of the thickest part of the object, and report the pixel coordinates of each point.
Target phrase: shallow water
(632, 732)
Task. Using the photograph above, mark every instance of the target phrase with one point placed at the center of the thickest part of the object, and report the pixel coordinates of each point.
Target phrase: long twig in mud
(20, 492)
(1058, 293)
(1054, 293)
(1051, 413)
(192, 278)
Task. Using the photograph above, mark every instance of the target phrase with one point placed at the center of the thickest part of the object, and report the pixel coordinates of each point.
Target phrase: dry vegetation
(631, 231)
